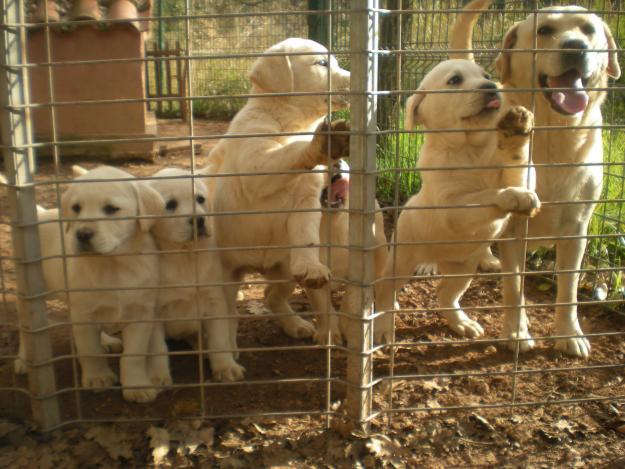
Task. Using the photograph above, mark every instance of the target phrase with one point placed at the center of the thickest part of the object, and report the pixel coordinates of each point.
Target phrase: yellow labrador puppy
(576, 53)
(282, 186)
(334, 231)
(185, 239)
(428, 218)
(109, 250)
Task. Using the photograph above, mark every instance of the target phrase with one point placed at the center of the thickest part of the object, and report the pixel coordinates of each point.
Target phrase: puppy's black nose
(84, 235)
(199, 222)
(575, 44)
(488, 86)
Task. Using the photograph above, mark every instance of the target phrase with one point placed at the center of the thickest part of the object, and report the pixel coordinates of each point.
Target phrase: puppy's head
(315, 72)
(472, 99)
(94, 210)
(570, 38)
(336, 185)
(190, 209)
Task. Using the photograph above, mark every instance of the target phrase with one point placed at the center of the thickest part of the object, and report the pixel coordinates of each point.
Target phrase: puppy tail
(461, 35)
(78, 170)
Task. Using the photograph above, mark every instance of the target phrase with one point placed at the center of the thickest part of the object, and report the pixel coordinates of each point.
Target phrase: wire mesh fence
(238, 216)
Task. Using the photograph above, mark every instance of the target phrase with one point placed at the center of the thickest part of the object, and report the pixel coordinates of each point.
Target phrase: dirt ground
(170, 432)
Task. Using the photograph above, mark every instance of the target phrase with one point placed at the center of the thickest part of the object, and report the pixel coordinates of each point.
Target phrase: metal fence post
(19, 166)
(364, 40)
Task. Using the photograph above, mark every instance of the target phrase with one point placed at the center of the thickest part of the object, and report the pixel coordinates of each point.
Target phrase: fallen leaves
(114, 442)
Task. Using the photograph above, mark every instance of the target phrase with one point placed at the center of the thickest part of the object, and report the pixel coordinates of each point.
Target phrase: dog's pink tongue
(339, 189)
(571, 101)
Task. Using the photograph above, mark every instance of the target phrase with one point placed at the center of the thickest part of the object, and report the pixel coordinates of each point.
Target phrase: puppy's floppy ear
(149, 202)
(503, 60)
(65, 209)
(411, 116)
(273, 74)
(614, 70)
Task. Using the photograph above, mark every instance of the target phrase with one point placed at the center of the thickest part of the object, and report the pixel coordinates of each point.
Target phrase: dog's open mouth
(570, 101)
(338, 194)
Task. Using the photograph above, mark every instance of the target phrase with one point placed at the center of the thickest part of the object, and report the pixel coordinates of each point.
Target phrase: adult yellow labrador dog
(576, 54)
(291, 139)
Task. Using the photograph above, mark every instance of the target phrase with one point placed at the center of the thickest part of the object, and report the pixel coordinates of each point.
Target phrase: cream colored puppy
(426, 219)
(576, 53)
(108, 251)
(334, 231)
(284, 189)
(184, 238)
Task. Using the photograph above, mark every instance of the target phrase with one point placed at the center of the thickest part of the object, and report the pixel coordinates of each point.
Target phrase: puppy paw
(327, 143)
(519, 200)
(297, 327)
(227, 370)
(311, 275)
(572, 346)
(19, 366)
(158, 372)
(464, 326)
(111, 343)
(383, 329)
(140, 395)
(523, 338)
(332, 333)
(98, 379)
(516, 121)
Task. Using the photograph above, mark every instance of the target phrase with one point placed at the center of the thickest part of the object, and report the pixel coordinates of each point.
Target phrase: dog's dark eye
(76, 208)
(110, 209)
(588, 29)
(200, 199)
(171, 205)
(487, 76)
(322, 62)
(455, 80)
(545, 30)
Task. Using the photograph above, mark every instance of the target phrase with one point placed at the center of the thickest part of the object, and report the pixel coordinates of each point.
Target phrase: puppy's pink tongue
(340, 189)
(570, 101)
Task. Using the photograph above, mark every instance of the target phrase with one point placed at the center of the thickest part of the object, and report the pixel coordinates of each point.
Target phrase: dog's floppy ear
(78, 170)
(65, 209)
(411, 116)
(503, 60)
(614, 70)
(149, 202)
(273, 74)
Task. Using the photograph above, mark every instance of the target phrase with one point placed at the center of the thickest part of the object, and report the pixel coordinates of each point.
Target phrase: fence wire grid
(422, 367)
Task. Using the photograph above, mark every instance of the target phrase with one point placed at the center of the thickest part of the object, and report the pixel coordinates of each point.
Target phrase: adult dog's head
(185, 198)
(284, 70)
(99, 213)
(575, 50)
(465, 97)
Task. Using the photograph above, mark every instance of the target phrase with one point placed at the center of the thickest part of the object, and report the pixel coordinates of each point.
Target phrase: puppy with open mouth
(185, 237)
(565, 80)
(472, 181)
(113, 252)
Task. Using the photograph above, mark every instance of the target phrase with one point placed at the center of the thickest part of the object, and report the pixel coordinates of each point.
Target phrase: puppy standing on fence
(439, 224)
(569, 168)
(189, 231)
(283, 185)
(111, 253)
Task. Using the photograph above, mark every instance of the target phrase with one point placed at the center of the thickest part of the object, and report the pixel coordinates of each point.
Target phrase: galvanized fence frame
(359, 380)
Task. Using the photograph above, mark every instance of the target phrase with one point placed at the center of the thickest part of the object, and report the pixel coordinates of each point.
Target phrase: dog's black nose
(575, 44)
(84, 235)
(488, 86)
(199, 222)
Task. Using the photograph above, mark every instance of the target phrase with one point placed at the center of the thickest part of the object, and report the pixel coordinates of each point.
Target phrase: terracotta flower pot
(39, 13)
(85, 10)
(122, 10)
